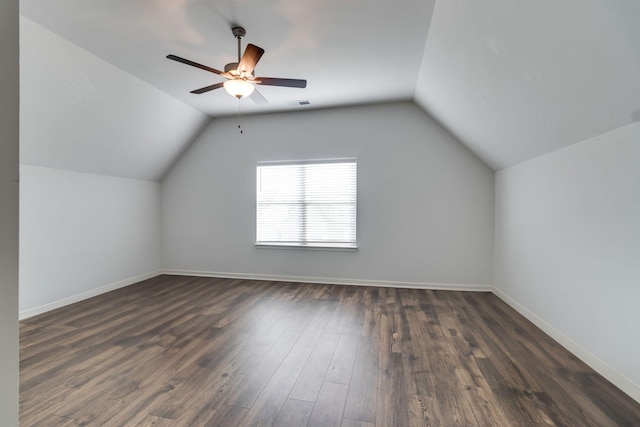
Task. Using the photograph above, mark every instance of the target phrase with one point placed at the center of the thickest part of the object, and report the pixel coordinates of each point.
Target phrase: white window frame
(350, 245)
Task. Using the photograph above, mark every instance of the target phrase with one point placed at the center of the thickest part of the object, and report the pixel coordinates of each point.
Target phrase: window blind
(307, 204)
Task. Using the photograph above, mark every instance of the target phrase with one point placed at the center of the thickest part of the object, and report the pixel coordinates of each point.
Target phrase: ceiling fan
(240, 75)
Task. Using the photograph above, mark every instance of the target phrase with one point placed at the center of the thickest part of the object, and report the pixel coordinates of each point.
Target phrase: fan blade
(257, 98)
(207, 88)
(194, 64)
(250, 58)
(270, 81)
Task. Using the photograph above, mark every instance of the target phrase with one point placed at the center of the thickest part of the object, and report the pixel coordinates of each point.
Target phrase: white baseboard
(334, 281)
(86, 295)
(612, 375)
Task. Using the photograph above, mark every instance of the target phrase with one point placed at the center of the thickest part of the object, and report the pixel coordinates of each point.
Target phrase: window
(307, 204)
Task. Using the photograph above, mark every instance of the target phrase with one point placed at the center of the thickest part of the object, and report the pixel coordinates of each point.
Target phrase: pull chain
(240, 114)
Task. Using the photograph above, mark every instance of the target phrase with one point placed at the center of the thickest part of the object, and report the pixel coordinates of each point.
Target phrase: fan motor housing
(232, 66)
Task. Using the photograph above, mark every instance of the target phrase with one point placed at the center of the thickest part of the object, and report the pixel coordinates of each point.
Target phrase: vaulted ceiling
(512, 79)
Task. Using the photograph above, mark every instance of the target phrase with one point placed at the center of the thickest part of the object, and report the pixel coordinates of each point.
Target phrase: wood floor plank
(179, 400)
(392, 406)
(152, 420)
(227, 415)
(194, 351)
(361, 400)
(344, 357)
(247, 393)
(208, 400)
(294, 413)
(424, 412)
(310, 381)
(267, 406)
(329, 407)
(316, 327)
(346, 422)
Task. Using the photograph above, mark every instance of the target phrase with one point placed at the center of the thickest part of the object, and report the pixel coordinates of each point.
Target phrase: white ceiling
(350, 51)
(512, 79)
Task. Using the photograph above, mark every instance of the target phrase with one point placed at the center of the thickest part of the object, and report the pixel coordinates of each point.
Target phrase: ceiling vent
(299, 103)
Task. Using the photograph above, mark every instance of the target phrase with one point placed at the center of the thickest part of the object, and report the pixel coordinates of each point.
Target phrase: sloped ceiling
(512, 79)
(80, 113)
(515, 79)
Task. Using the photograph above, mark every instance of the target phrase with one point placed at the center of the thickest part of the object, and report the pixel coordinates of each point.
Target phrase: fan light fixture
(239, 88)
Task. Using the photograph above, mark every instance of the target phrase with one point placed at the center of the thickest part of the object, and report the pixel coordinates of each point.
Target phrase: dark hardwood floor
(181, 351)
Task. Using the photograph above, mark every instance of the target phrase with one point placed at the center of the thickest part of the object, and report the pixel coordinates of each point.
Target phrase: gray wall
(83, 234)
(568, 249)
(9, 81)
(425, 203)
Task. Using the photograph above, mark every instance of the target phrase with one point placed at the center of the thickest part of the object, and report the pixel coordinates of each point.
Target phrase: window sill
(347, 247)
